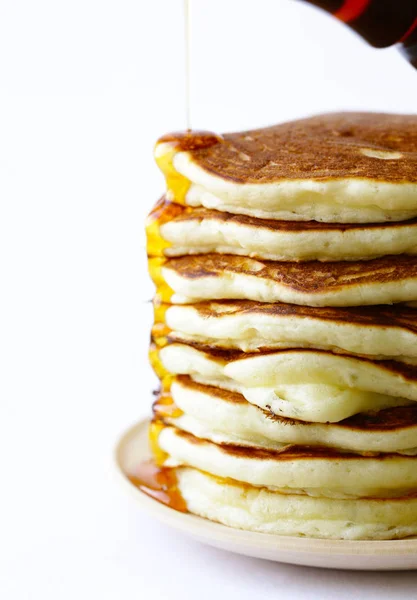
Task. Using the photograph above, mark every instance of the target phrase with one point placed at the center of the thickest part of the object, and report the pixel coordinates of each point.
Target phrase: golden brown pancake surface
(375, 316)
(308, 277)
(199, 214)
(289, 452)
(389, 419)
(226, 395)
(328, 146)
(407, 371)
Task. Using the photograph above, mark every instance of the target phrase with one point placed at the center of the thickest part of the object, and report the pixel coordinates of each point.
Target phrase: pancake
(259, 509)
(337, 167)
(379, 331)
(305, 365)
(309, 385)
(208, 412)
(384, 280)
(288, 399)
(300, 469)
(203, 231)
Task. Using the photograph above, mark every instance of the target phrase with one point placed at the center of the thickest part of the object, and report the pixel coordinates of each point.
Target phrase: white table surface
(85, 89)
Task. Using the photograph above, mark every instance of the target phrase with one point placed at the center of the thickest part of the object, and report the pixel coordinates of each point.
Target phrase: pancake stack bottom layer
(285, 333)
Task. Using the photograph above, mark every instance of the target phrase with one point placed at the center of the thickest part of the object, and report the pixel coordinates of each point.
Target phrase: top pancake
(324, 147)
(341, 167)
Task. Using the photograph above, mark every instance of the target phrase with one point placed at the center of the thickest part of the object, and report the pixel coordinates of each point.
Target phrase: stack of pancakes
(285, 338)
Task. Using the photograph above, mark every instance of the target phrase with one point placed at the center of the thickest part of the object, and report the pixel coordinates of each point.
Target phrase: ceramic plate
(332, 554)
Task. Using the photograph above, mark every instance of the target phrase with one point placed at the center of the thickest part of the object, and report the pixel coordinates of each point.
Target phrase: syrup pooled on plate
(155, 480)
(159, 483)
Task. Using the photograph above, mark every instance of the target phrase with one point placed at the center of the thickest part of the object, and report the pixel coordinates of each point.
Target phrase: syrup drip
(158, 454)
(164, 406)
(163, 292)
(160, 333)
(151, 477)
(174, 203)
(163, 212)
(160, 371)
(168, 146)
(159, 311)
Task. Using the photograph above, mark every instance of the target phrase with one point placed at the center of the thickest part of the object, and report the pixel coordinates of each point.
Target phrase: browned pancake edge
(399, 316)
(201, 214)
(289, 452)
(308, 277)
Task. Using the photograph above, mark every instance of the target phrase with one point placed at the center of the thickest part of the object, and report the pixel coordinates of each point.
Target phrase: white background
(86, 86)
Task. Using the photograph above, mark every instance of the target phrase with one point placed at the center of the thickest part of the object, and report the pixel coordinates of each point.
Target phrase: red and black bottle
(381, 23)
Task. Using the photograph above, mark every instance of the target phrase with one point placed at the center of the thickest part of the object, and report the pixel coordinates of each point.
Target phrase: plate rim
(205, 530)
